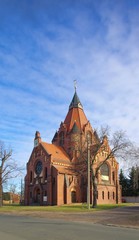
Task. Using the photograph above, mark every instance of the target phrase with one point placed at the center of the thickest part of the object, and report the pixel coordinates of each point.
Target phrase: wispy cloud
(45, 46)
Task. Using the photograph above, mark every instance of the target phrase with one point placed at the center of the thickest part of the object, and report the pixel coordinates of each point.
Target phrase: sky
(45, 45)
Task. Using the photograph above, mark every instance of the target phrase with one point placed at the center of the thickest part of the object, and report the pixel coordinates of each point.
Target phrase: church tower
(73, 132)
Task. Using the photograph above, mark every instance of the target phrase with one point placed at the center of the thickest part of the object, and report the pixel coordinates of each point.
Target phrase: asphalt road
(32, 228)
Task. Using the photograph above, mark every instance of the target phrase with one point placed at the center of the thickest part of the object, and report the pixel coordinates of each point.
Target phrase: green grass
(63, 208)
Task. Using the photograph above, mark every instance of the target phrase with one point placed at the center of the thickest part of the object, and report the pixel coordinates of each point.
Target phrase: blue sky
(45, 45)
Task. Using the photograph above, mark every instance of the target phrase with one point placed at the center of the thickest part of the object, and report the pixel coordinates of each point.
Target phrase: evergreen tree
(124, 182)
(133, 176)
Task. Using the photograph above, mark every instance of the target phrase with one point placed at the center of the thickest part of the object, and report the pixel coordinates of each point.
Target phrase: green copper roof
(75, 128)
(75, 103)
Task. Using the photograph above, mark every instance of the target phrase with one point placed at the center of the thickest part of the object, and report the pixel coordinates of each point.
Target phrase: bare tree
(8, 167)
(13, 188)
(118, 146)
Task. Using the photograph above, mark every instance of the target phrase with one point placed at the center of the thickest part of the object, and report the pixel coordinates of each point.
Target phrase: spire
(75, 114)
(75, 103)
(75, 120)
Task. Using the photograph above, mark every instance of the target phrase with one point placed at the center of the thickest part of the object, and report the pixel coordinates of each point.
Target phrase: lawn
(63, 208)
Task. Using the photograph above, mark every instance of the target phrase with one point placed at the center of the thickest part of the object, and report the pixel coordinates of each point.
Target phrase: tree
(8, 167)
(130, 184)
(124, 182)
(133, 181)
(117, 147)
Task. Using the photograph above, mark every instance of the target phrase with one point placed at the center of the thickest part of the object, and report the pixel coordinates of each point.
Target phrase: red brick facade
(57, 172)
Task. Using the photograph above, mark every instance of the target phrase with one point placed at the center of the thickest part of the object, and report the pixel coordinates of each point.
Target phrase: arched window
(97, 194)
(103, 195)
(104, 172)
(31, 178)
(46, 173)
(61, 136)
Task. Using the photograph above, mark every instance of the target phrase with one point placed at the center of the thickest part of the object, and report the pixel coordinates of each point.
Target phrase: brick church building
(57, 171)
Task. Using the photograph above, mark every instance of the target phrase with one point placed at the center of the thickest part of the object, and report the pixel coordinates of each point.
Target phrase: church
(57, 172)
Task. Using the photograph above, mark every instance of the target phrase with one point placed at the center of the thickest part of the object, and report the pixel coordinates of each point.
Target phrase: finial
(75, 84)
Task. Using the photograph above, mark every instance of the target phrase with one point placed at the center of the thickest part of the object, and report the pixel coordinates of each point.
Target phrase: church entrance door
(73, 196)
(37, 196)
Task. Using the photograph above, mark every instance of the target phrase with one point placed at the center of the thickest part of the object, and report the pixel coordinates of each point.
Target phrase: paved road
(32, 228)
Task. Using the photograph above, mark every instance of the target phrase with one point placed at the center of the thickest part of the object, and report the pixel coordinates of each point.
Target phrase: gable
(57, 153)
(38, 152)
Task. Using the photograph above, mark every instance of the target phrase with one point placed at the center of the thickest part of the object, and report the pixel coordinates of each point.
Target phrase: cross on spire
(75, 84)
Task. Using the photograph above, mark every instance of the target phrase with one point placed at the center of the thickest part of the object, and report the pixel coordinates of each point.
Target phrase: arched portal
(73, 196)
(37, 196)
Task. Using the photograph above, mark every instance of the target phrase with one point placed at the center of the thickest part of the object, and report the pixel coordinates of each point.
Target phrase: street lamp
(88, 171)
